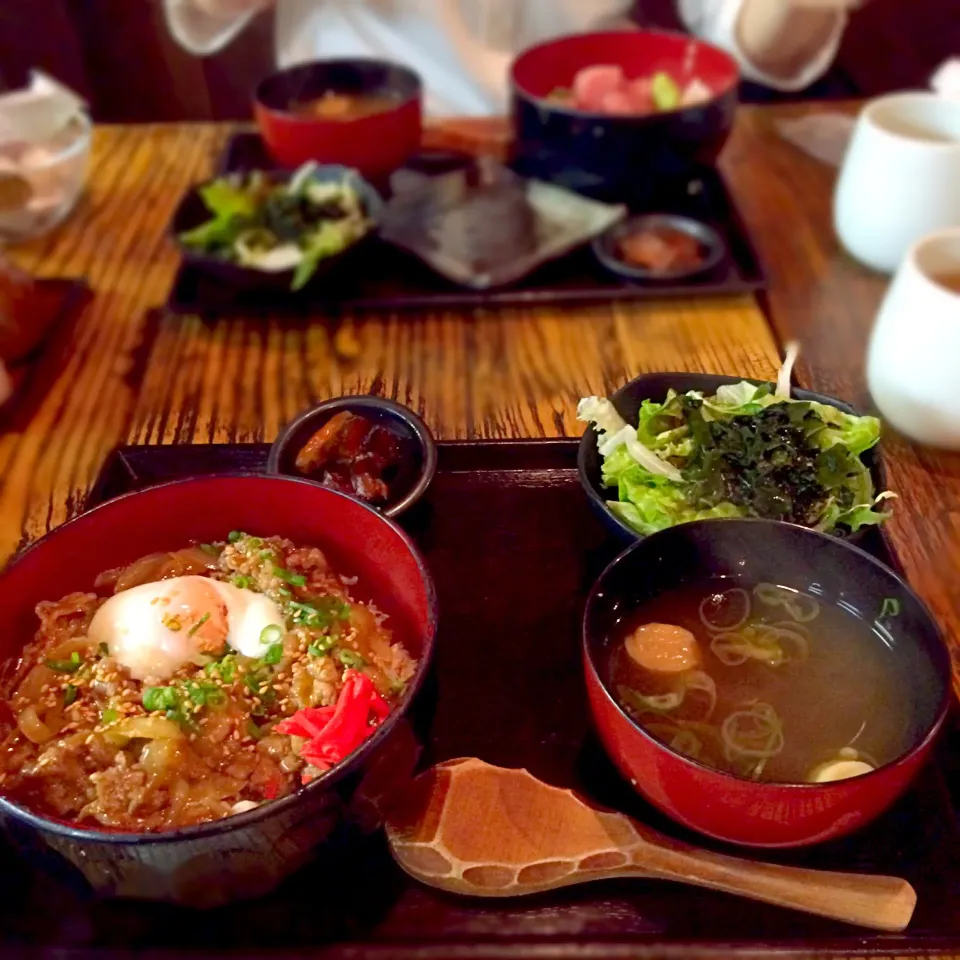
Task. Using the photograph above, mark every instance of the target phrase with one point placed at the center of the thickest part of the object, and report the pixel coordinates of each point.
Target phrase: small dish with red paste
(373, 449)
(660, 247)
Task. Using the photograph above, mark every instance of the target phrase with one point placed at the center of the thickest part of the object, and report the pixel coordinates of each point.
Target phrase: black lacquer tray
(388, 279)
(513, 547)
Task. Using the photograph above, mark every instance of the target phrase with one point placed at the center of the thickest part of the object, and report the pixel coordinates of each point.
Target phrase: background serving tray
(513, 547)
(386, 278)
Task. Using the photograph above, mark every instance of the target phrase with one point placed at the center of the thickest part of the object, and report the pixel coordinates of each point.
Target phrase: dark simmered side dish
(764, 682)
(353, 455)
(194, 685)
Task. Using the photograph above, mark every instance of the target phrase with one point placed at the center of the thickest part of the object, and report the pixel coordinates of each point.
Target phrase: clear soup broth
(763, 682)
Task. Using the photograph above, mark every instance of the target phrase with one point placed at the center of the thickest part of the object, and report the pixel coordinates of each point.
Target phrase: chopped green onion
(321, 613)
(109, 715)
(890, 608)
(273, 655)
(254, 730)
(320, 647)
(271, 634)
(199, 624)
(266, 554)
(225, 667)
(66, 666)
(160, 698)
(349, 658)
(205, 694)
(296, 579)
(69, 694)
(255, 542)
(235, 535)
(241, 581)
(172, 623)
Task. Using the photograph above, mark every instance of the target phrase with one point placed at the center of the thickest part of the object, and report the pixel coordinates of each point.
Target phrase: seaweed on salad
(746, 451)
(275, 227)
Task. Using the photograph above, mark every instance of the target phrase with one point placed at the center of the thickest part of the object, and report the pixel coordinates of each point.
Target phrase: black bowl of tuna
(276, 230)
(376, 450)
(669, 448)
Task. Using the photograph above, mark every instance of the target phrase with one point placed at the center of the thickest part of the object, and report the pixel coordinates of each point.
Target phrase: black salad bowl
(655, 386)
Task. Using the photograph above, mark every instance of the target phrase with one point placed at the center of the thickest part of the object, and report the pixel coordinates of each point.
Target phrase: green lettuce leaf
(857, 434)
(747, 452)
(224, 199)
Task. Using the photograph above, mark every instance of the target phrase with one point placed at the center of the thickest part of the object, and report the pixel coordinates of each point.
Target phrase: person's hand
(782, 38)
(230, 9)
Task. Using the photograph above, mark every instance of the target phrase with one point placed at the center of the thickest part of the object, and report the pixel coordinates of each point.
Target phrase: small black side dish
(407, 482)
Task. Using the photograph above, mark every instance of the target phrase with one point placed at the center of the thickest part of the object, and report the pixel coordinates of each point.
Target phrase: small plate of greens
(673, 447)
(273, 229)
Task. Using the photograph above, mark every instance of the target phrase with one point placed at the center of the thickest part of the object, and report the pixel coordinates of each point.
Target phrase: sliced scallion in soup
(763, 682)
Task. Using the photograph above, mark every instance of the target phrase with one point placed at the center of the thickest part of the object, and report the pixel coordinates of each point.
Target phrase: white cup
(913, 361)
(900, 179)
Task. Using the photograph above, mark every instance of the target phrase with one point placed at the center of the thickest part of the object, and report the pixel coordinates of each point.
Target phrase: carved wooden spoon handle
(883, 903)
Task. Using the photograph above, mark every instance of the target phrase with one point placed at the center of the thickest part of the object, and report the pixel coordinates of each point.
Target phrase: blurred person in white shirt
(463, 48)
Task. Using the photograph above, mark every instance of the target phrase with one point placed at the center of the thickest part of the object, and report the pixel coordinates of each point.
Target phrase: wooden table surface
(128, 372)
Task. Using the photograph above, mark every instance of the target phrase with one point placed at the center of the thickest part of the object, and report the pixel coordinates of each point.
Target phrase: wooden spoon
(468, 827)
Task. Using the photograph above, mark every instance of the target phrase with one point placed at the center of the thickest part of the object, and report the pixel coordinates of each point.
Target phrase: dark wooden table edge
(620, 949)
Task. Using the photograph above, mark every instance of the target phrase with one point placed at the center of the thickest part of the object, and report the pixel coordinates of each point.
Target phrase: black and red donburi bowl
(246, 855)
(619, 158)
(721, 805)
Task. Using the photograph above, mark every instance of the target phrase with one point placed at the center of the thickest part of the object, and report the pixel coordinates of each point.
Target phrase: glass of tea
(913, 361)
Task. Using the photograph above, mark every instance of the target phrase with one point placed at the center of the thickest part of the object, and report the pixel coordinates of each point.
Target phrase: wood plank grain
(131, 373)
(127, 372)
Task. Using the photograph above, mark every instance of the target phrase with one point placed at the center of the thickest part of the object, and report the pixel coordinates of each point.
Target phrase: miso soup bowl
(246, 855)
(375, 145)
(728, 807)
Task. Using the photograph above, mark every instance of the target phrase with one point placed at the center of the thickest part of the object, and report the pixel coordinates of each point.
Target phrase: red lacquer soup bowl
(247, 854)
(720, 804)
(375, 144)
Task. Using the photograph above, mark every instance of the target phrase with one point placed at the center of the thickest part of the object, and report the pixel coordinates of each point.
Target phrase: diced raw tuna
(592, 84)
(641, 95)
(617, 102)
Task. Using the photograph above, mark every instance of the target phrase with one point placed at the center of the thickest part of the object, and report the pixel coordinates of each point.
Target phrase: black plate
(514, 548)
(386, 278)
(655, 386)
